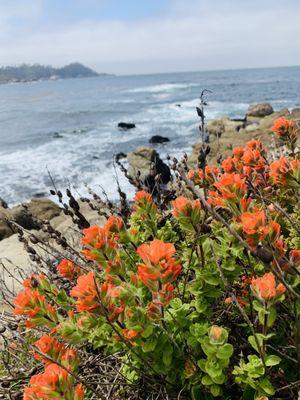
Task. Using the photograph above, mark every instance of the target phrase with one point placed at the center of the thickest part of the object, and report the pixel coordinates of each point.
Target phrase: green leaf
(147, 332)
(167, 356)
(267, 386)
(215, 390)
(272, 360)
(225, 351)
(253, 343)
(176, 303)
(258, 306)
(149, 345)
(206, 380)
(272, 316)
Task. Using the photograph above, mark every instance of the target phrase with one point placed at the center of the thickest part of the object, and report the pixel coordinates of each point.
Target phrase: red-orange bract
(184, 206)
(86, 293)
(265, 287)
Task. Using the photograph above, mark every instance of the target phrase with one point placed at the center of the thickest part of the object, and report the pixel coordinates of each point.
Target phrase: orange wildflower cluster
(184, 207)
(265, 288)
(256, 227)
(99, 242)
(285, 171)
(246, 160)
(86, 293)
(55, 351)
(206, 177)
(285, 129)
(143, 201)
(295, 257)
(160, 268)
(67, 269)
(32, 304)
(231, 188)
(54, 383)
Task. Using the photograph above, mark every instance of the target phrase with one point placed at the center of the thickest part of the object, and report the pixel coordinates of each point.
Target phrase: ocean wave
(164, 87)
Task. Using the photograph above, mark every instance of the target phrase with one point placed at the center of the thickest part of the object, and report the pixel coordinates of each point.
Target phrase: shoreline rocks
(157, 139)
(224, 134)
(126, 125)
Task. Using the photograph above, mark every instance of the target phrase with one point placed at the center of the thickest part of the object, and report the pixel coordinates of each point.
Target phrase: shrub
(200, 297)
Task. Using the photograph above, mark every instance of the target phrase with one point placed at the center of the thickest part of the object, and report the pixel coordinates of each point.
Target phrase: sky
(151, 36)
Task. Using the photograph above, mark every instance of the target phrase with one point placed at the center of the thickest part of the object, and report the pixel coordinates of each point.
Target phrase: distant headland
(37, 72)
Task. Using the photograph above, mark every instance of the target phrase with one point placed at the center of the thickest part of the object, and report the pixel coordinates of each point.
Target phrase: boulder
(158, 139)
(146, 162)
(29, 214)
(217, 127)
(5, 230)
(126, 125)
(260, 110)
(3, 203)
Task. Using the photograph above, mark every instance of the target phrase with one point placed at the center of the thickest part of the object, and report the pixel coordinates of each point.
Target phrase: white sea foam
(164, 87)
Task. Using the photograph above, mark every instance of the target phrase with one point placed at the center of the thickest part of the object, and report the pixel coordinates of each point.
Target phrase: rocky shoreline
(144, 162)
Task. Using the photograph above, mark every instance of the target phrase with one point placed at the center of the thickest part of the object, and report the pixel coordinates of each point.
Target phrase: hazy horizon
(131, 37)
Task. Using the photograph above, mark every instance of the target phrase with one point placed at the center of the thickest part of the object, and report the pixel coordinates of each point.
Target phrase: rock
(126, 125)
(158, 139)
(57, 135)
(3, 203)
(13, 254)
(28, 215)
(178, 105)
(120, 155)
(146, 161)
(5, 230)
(217, 127)
(260, 110)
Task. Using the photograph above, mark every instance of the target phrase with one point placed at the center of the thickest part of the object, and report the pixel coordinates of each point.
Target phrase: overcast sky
(145, 36)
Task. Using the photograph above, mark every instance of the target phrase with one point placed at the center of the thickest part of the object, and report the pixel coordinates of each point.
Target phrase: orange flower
(254, 225)
(114, 224)
(265, 287)
(129, 334)
(216, 333)
(295, 257)
(50, 347)
(229, 165)
(282, 126)
(86, 293)
(156, 251)
(91, 235)
(79, 392)
(54, 383)
(231, 188)
(159, 263)
(143, 200)
(184, 206)
(67, 269)
(284, 171)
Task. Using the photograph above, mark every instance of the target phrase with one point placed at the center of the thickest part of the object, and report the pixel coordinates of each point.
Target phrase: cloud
(194, 36)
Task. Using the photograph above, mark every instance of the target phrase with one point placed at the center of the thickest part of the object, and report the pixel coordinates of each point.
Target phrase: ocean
(69, 127)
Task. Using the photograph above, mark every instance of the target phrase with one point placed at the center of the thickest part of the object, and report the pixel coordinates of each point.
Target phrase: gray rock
(260, 110)
(146, 162)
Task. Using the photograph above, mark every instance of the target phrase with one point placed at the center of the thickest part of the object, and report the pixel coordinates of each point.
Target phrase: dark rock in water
(126, 125)
(158, 139)
(3, 203)
(178, 105)
(39, 195)
(120, 155)
(57, 135)
(95, 157)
